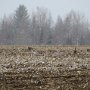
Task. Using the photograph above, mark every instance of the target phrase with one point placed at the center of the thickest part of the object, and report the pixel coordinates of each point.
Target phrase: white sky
(56, 7)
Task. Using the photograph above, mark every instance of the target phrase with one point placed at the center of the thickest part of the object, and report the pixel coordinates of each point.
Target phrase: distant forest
(39, 28)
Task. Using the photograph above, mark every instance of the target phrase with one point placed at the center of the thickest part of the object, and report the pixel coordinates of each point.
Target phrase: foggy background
(56, 7)
(64, 22)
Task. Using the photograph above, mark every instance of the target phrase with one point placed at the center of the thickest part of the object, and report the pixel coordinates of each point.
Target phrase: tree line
(39, 28)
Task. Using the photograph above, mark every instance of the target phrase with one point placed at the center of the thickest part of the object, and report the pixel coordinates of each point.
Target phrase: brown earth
(44, 67)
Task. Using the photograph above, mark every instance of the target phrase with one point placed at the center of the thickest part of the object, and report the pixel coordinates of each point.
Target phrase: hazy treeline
(40, 28)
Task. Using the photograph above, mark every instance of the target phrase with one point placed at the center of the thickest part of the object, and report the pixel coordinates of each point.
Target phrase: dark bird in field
(75, 51)
(30, 48)
(88, 50)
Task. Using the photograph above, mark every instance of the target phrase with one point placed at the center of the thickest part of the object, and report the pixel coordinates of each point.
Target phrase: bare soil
(44, 67)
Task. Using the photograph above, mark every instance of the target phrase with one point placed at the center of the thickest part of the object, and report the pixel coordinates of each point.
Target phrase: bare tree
(41, 25)
(76, 27)
(59, 31)
(7, 32)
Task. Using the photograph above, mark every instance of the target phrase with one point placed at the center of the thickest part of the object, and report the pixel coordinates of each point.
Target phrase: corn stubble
(44, 67)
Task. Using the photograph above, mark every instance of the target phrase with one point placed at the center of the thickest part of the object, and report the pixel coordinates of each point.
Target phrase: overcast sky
(56, 7)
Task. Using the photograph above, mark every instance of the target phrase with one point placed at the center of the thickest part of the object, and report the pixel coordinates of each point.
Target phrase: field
(44, 67)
